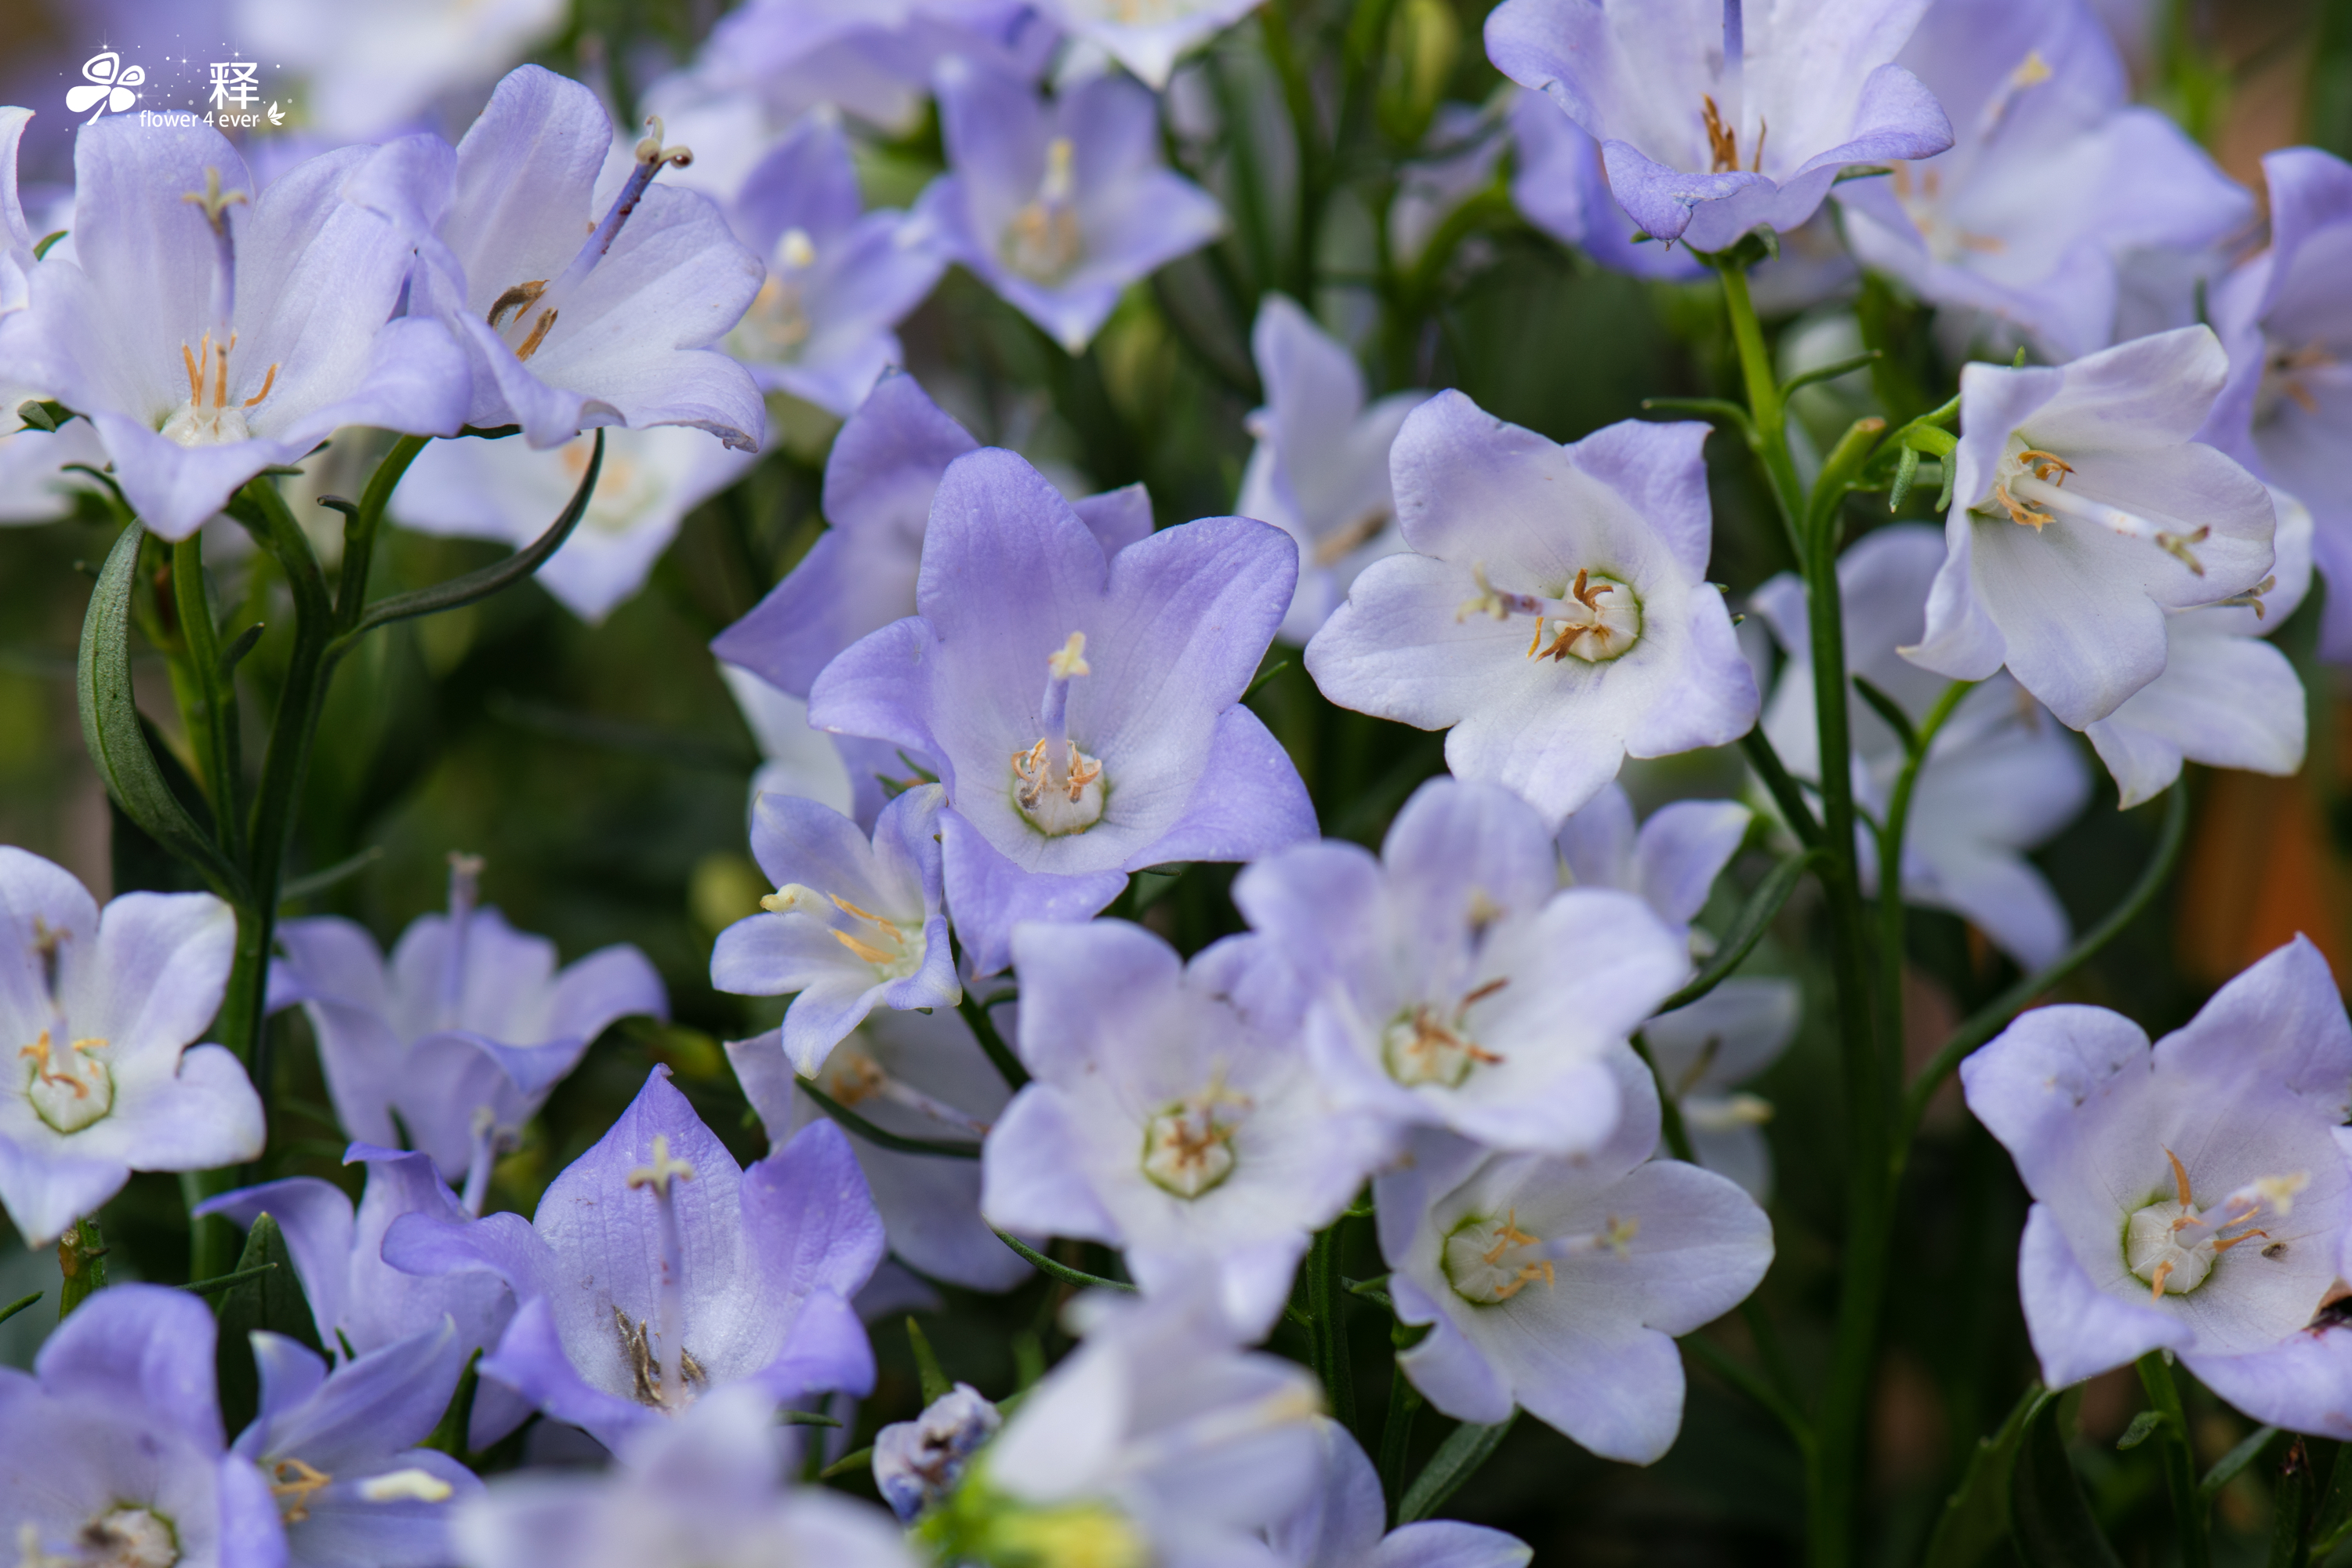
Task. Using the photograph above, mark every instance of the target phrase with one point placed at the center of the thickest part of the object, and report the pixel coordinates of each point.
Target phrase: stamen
(2155, 1281)
(1763, 128)
(2024, 516)
(866, 951)
(196, 379)
(2045, 464)
(1722, 142)
(519, 298)
(530, 345)
(297, 1481)
(1482, 991)
(2180, 1178)
(220, 375)
(267, 383)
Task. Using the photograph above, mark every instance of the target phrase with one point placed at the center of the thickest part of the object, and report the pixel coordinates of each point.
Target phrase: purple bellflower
(852, 926)
(16, 237)
(2286, 411)
(1320, 470)
(794, 759)
(918, 1077)
(341, 1451)
(2041, 101)
(2000, 779)
(110, 1449)
(209, 329)
(560, 332)
(1670, 862)
(2193, 1197)
(1148, 38)
(97, 1012)
(918, 1462)
(1137, 751)
(1597, 549)
(1560, 1285)
(1558, 183)
(1173, 1114)
(1454, 981)
(1343, 1523)
(33, 486)
(462, 1035)
(658, 1270)
(2082, 512)
(371, 71)
(1059, 206)
(704, 1490)
(1714, 117)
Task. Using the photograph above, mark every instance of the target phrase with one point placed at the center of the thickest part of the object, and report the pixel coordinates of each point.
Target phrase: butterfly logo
(106, 84)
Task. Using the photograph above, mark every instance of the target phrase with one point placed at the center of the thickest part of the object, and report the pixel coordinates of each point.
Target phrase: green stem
(1396, 1436)
(81, 1266)
(983, 1028)
(1765, 408)
(2180, 1463)
(211, 716)
(1327, 1298)
(362, 526)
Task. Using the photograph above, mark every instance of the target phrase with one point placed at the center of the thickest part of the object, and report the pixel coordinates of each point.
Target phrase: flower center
(125, 1538)
(536, 305)
(1058, 787)
(1599, 618)
(776, 326)
(1044, 242)
(2292, 374)
(660, 1369)
(2173, 1244)
(1723, 141)
(209, 417)
(69, 1087)
(895, 949)
(2031, 488)
(1422, 1046)
(1490, 1260)
(1188, 1148)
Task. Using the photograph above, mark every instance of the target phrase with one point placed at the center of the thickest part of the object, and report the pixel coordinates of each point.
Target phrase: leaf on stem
(1456, 1460)
(1746, 928)
(927, 1363)
(267, 1294)
(1062, 1271)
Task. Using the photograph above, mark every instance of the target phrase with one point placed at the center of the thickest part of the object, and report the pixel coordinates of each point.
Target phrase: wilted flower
(918, 1462)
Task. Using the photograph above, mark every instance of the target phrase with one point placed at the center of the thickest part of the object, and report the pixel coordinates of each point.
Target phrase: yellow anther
(663, 1169)
(215, 201)
(2179, 1179)
(40, 1049)
(2022, 515)
(295, 1483)
(518, 298)
(1722, 141)
(267, 383)
(866, 951)
(2155, 1281)
(530, 346)
(2048, 467)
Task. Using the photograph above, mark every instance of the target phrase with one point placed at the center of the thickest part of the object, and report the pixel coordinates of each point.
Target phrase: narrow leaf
(12, 1308)
(927, 1363)
(1747, 927)
(857, 1125)
(1976, 1516)
(1456, 1460)
(2050, 1523)
(270, 1299)
(2231, 1465)
(2143, 1427)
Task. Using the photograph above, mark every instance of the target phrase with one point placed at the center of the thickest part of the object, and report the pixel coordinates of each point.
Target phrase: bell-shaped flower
(707, 1488)
(359, 1301)
(509, 492)
(1706, 1051)
(1559, 184)
(918, 1462)
(839, 279)
(1059, 206)
(1173, 1114)
(793, 758)
(1600, 549)
(1343, 1523)
(459, 1039)
(1453, 982)
(2000, 779)
(2227, 698)
(1147, 40)
(368, 72)
(210, 328)
(658, 1270)
(913, 1076)
(1320, 470)
(852, 926)
(1716, 117)
(2193, 1197)
(1083, 712)
(111, 1448)
(2081, 511)
(573, 310)
(340, 1450)
(1670, 862)
(2286, 411)
(97, 1014)
(1560, 1285)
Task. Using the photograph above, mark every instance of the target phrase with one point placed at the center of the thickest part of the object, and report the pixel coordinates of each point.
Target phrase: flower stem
(983, 1028)
(81, 1266)
(2179, 1464)
(1396, 1438)
(1769, 414)
(1326, 1306)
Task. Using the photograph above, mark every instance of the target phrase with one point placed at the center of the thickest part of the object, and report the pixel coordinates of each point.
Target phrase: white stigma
(2031, 488)
(1188, 1148)
(1058, 787)
(2174, 1244)
(406, 1486)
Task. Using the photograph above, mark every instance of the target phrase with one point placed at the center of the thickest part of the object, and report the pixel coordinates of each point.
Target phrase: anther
(215, 201)
(296, 1481)
(267, 383)
(519, 298)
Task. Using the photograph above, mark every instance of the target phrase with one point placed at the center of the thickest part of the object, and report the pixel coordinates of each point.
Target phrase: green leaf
(109, 725)
(2143, 1427)
(1830, 372)
(2230, 1465)
(1747, 929)
(12, 1308)
(1062, 1271)
(2050, 1523)
(1456, 1460)
(927, 1364)
(41, 250)
(270, 1300)
(449, 1434)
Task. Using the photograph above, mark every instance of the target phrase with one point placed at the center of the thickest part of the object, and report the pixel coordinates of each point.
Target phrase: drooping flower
(1137, 751)
(1343, 1523)
(571, 312)
(1600, 549)
(2192, 1196)
(918, 1462)
(1558, 183)
(1059, 206)
(1173, 1114)
(340, 1450)
(1148, 36)
(111, 1448)
(507, 491)
(2040, 100)
(1559, 1284)
(1453, 982)
(1717, 119)
(916, 1077)
(658, 1270)
(852, 926)
(462, 1035)
(370, 71)
(794, 759)
(97, 1014)
(1320, 470)
(2082, 512)
(209, 329)
(1999, 779)
(704, 1490)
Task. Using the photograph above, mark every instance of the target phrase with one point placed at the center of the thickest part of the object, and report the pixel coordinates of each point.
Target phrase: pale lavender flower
(1558, 183)
(2041, 101)
(658, 1270)
(1670, 862)
(16, 235)
(1460, 154)
(794, 759)
(1147, 36)
(2082, 512)
(462, 1035)
(112, 1444)
(1173, 1114)
(918, 1462)
(1059, 206)
(1597, 549)
(209, 329)
(1083, 711)
(1343, 1523)
(1453, 982)
(852, 925)
(1715, 118)
(372, 70)
(1561, 1286)
(98, 1012)
(2192, 1196)
(1320, 470)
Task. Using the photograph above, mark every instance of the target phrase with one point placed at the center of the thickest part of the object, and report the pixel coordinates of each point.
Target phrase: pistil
(292, 1485)
(669, 1387)
(536, 305)
(892, 949)
(1059, 788)
(2031, 489)
(1490, 1260)
(465, 888)
(851, 1078)
(1044, 241)
(69, 1087)
(1600, 620)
